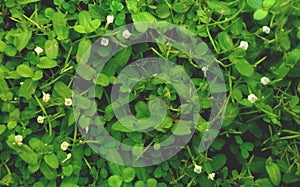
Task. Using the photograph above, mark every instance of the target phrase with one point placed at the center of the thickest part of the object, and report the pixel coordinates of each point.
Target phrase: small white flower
(18, 138)
(265, 80)
(40, 119)
(38, 50)
(110, 19)
(126, 34)
(104, 41)
(197, 169)
(69, 155)
(154, 75)
(68, 101)
(266, 29)
(64, 146)
(21, 83)
(46, 97)
(244, 45)
(87, 129)
(211, 176)
(252, 98)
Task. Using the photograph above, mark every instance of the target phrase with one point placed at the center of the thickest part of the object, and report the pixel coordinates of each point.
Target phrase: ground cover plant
(47, 141)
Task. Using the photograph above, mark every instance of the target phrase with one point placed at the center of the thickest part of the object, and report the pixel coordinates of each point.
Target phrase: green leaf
(84, 121)
(84, 18)
(86, 24)
(60, 26)
(37, 145)
(248, 146)
(128, 174)
(245, 153)
(180, 7)
(142, 17)
(51, 48)
(5, 94)
(24, 71)
(219, 7)
(62, 89)
(84, 51)
(232, 112)
(2, 129)
(51, 160)
(268, 3)
(119, 60)
(225, 41)
(68, 184)
(11, 125)
(37, 75)
(67, 170)
(238, 139)
(114, 181)
(260, 14)
(132, 6)
(291, 60)
(244, 67)
(102, 80)
(139, 184)
(85, 71)
(162, 11)
(23, 39)
(28, 88)
(158, 172)
(80, 29)
(118, 126)
(152, 182)
(6, 180)
(81, 101)
(10, 50)
(2, 46)
(181, 129)
(28, 155)
(274, 173)
(46, 63)
(23, 2)
(218, 161)
(141, 109)
(48, 172)
(285, 41)
(263, 182)
(256, 4)
(38, 184)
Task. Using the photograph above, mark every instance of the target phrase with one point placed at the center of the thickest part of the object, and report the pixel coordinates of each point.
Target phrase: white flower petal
(110, 19)
(252, 98)
(211, 176)
(40, 119)
(126, 34)
(265, 80)
(266, 29)
(64, 146)
(244, 45)
(197, 169)
(18, 138)
(68, 101)
(104, 41)
(46, 97)
(38, 50)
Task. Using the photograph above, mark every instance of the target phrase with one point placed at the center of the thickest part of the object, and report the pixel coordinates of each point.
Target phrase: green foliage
(258, 144)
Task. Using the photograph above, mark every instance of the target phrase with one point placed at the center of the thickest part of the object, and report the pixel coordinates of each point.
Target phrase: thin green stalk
(45, 113)
(211, 39)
